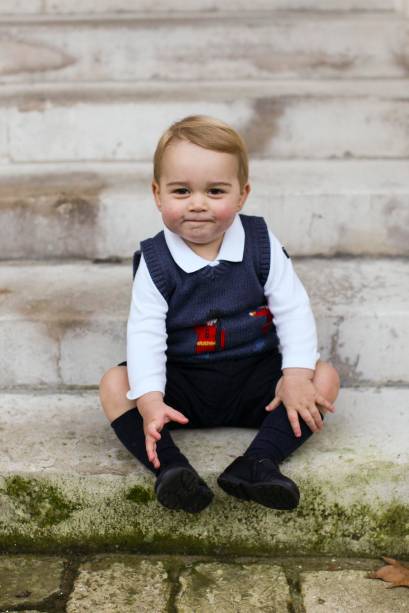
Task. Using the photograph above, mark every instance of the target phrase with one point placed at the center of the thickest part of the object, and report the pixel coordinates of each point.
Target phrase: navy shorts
(224, 392)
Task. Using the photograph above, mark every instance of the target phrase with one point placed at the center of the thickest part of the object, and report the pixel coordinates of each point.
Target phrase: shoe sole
(180, 489)
(278, 495)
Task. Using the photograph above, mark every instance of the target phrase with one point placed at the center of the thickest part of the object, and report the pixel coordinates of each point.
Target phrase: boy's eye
(183, 190)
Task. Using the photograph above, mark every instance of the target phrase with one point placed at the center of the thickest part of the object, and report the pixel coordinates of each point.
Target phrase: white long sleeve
(292, 315)
(147, 337)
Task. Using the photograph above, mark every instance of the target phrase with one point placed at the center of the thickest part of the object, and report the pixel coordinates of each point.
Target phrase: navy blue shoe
(181, 488)
(259, 480)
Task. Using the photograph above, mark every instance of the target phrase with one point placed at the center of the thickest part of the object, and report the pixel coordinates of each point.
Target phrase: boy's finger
(309, 420)
(155, 459)
(314, 412)
(294, 421)
(273, 404)
(328, 405)
(176, 416)
(152, 430)
(151, 452)
(149, 447)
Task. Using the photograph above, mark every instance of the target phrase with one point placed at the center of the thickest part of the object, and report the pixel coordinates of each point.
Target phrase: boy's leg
(178, 486)
(127, 422)
(255, 475)
(276, 439)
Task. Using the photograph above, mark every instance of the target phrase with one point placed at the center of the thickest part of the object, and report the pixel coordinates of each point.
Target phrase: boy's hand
(300, 397)
(155, 415)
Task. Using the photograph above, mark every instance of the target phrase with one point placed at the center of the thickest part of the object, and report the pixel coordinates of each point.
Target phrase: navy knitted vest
(218, 312)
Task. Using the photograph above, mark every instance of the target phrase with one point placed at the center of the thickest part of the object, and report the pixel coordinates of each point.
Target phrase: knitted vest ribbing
(217, 312)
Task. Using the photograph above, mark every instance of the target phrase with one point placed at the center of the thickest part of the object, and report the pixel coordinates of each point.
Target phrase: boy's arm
(146, 358)
(292, 315)
(146, 338)
(291, 310)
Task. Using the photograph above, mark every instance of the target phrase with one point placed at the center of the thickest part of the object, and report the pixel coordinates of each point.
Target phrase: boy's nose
(197, 203)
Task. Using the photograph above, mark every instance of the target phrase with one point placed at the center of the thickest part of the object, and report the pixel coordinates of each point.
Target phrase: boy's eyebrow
(187, 182)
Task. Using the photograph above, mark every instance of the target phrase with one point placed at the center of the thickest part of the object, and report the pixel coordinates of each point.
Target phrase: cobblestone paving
(122, 583)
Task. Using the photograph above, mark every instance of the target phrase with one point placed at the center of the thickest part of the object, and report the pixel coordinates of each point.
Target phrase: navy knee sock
(276, 439)
(129, 429)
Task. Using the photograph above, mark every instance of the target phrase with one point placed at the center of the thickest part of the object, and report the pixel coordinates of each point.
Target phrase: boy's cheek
(172, 216)
(226, 212)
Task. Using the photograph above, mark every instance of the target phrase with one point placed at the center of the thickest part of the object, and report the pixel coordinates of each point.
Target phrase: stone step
(66, 481)
(341, 207)
(283, 120)
(103, 7)
(286, 45)
(72, 318)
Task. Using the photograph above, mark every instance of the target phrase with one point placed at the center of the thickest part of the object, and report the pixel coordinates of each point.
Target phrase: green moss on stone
(38, 502)
(394, 521)
(130, 519)
(331, 520)
(140, 495)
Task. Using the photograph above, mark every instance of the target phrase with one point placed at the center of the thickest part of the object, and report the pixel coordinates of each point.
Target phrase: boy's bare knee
(112, 392)
(327, 380)
(112, 379)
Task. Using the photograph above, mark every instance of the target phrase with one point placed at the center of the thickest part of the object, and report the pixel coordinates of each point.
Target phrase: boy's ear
(243, 196)
(156, 194)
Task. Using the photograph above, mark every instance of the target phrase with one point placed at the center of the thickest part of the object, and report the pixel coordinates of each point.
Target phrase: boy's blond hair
(206, 132)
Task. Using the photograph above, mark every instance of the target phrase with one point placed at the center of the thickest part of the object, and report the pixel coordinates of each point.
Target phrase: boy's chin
(190, 241)
(199, 240)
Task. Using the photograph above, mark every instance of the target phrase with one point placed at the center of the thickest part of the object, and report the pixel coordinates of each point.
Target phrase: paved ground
(124, 582)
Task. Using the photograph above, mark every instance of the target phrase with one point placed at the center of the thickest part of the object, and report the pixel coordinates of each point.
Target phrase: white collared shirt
(286, 298)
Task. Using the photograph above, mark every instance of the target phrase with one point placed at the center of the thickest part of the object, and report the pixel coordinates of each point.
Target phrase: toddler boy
(220, 330)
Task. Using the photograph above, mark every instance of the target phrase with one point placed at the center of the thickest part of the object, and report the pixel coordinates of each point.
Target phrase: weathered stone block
(233, 587)
(350, 591)
(292, 45)
(72, 317)
(27, 579)
(38, 358)
(4, 149)
(66, 7)
(120, 584)
(17, 7)
(104, 211)
(286, 120)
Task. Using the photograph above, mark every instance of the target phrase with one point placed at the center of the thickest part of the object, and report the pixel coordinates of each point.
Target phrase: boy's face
(199, 194)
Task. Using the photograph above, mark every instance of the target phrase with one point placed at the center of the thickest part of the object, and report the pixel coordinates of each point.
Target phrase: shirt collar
(231, 249)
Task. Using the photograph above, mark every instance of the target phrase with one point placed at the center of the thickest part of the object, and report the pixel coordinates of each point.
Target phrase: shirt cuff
(300, 361)
(153, 384)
